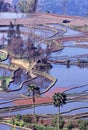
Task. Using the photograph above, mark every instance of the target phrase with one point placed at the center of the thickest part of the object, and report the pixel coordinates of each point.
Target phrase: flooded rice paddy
(7, 127)
(66, 77)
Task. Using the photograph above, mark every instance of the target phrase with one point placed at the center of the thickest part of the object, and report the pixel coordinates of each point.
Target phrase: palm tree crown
(59, 99)
(34, 89)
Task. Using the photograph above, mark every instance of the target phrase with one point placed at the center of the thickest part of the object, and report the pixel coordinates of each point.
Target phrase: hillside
(72, 7)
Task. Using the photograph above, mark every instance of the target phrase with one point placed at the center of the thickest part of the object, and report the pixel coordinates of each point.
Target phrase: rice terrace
(43, 65)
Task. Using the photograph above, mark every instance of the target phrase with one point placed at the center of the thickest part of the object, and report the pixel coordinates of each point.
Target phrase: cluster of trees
(80, 124)
(27, 6)
(5, 6)
(24, 48)
(4, 81)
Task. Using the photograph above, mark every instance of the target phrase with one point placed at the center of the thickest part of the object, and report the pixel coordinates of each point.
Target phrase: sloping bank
(30, 68)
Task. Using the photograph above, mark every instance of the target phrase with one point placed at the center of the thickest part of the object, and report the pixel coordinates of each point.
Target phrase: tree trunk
(64, 7)
(58, 119)
(33, 107)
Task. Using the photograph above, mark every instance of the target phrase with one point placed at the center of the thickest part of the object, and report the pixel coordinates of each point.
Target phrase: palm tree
(58, 100)
(33, 90)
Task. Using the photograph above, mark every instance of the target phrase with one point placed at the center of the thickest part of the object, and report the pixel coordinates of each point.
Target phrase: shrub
(62, 124)
(17, 123)
(70, 126)
(27, 118)
(37, 118)
(12, 121)
(83, 125)
(18, 117)
(54, 121)
(22, 124)
(1, 118)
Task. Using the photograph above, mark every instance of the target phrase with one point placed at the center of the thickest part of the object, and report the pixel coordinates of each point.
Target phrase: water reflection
(53, 110)
(5, 72)
(65, 30)
(74, 76)
(69, 52)
(7, 127)
(12, 15)
(66, 77)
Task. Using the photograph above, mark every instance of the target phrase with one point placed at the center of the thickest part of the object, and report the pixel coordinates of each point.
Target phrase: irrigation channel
(71, 78)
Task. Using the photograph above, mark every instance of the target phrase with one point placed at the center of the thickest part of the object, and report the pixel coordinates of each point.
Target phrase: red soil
(47, 99)
(55, 90)
(29, 101)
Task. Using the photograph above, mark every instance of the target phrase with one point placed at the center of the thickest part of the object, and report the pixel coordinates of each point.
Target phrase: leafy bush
(27, 118)
(18, 117)
(62, 124)
(22, 124)
(1, 118)
(70, 126)
(12, 121)
(17, 123)
(54, 121)
(83, 125)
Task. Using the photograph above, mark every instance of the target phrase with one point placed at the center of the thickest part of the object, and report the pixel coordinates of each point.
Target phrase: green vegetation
(80, 28)
(70, 126)
(27, 122)
(16, 122)
(54, 122)
(42, 127)
(27, 6)
(83, 125)
(4, 82)
(2, 56)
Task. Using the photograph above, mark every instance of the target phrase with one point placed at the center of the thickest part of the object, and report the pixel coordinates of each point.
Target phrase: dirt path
(42, 18)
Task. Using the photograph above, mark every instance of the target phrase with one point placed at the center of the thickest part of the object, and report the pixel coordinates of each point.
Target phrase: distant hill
(73, 7)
